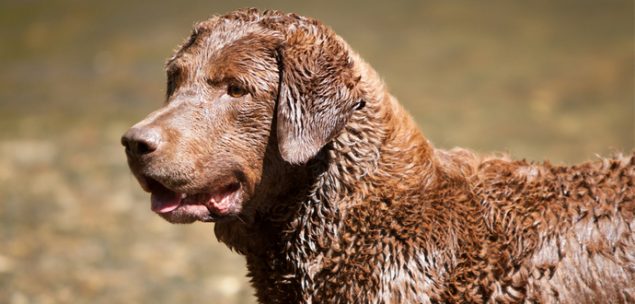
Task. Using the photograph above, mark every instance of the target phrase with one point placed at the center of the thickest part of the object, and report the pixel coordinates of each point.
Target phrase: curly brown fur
(277, 130)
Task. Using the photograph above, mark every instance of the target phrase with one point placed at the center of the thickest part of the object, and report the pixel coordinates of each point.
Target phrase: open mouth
(220, 202)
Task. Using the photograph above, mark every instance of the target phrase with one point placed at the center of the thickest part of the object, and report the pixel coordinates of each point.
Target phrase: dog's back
(560, 234)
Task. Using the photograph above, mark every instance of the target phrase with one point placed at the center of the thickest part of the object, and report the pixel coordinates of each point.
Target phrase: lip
(205, 206)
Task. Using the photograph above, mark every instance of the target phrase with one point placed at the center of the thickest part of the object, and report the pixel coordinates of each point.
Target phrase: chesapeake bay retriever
(281, 134)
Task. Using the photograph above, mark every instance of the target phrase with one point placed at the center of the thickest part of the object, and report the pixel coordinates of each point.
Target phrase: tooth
(183, 195)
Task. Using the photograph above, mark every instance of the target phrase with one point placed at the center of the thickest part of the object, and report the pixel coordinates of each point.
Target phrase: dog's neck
(364, 163)
(378, 138)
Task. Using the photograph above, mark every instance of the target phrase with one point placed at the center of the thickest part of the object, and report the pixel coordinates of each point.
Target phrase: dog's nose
(141, 141)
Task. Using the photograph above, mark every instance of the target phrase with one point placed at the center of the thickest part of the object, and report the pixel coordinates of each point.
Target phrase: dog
(277, 131)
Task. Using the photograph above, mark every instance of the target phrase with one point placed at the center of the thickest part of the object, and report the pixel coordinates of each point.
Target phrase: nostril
(125, 142)
(141, 141)
(144, 147)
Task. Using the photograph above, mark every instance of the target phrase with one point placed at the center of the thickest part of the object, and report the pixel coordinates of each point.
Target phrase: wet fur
(349, 203)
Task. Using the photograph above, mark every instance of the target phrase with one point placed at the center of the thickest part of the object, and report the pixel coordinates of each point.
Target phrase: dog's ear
(318, 91)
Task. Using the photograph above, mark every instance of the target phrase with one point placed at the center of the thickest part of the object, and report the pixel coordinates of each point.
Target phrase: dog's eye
(236, 91)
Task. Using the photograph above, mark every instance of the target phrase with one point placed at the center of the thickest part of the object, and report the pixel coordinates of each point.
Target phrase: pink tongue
(164, 200)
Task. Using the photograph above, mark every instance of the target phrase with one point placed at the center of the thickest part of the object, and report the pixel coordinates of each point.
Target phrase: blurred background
(538, 79)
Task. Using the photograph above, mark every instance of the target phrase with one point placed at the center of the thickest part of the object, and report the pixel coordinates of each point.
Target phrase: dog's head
(241, 84)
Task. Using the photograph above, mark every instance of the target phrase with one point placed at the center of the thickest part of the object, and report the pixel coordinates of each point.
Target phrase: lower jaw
(191, 213)
(217, 218)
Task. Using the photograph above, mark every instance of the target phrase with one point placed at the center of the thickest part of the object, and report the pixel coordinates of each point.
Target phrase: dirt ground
(538, 79)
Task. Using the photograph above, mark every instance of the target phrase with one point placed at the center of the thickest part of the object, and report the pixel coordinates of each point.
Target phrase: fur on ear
(318, 91)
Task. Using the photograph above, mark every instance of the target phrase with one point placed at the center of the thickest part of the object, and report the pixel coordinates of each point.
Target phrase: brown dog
(277, 131)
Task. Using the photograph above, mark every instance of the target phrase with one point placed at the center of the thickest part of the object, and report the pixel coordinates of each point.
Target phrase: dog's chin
(218, 204)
